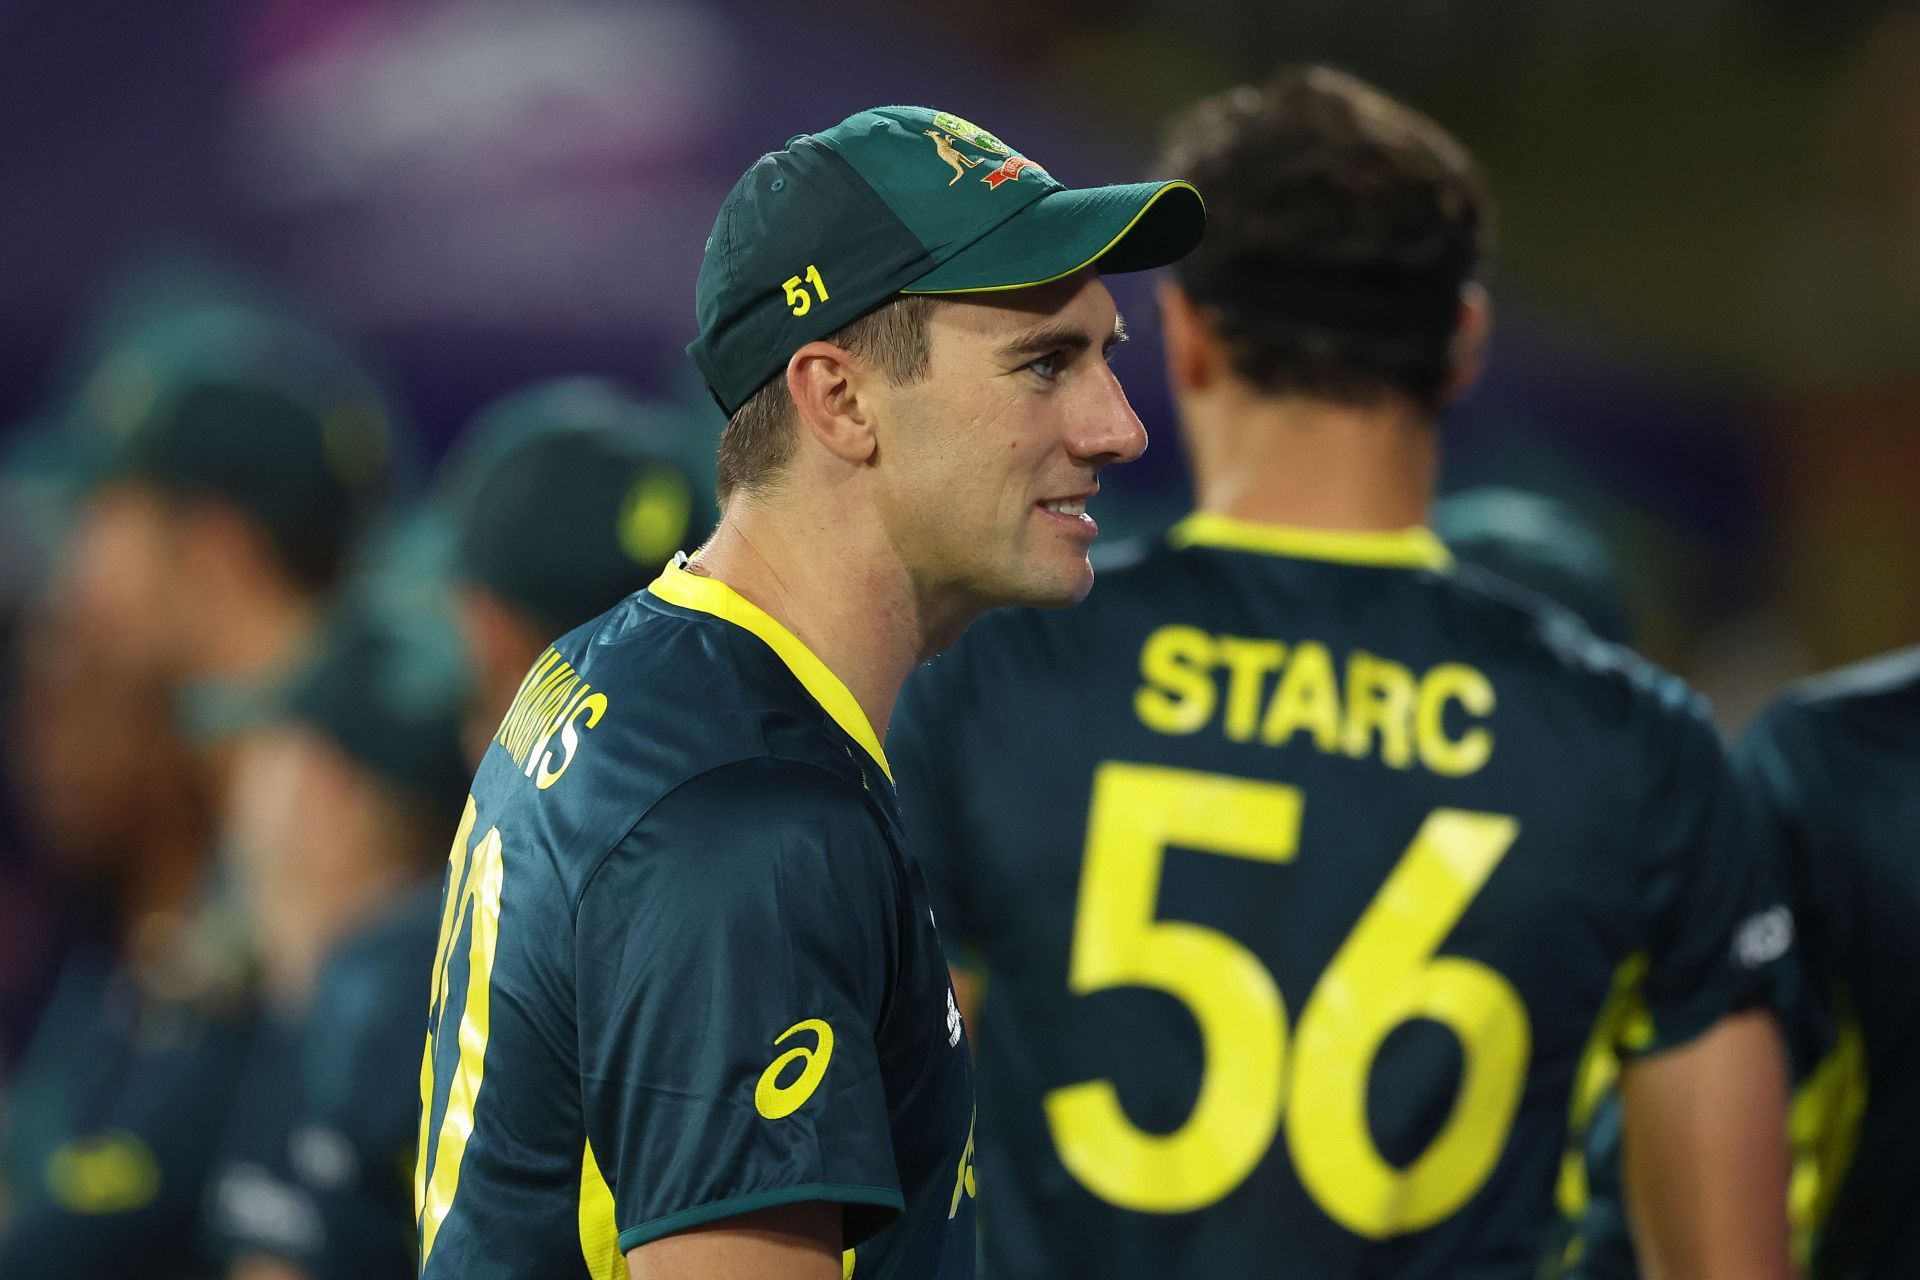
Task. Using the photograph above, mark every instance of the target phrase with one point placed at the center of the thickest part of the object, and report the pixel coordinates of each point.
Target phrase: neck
(835, 585)
(1297, 461)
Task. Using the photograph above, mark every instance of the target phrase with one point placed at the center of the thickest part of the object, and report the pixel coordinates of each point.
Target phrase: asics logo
(776, 1101)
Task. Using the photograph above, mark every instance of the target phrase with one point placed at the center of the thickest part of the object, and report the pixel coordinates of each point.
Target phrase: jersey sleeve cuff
(734, 1206)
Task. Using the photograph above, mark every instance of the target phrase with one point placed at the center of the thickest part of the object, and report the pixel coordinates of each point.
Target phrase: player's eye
(1048, 367)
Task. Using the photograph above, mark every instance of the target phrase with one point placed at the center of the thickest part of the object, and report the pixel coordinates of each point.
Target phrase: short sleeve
(922, 742)
(734, 955)
(1772, 763)
(1712, 923)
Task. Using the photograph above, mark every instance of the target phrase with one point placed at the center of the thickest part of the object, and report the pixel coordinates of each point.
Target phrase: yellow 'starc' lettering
(1248, 662)
(1378, 707)
(1177, 664)
(776, 1101)
(1453, 682)
(1380, 700)
(1306, 699)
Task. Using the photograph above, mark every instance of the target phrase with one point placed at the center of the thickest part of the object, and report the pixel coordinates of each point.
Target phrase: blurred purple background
(1709, 283)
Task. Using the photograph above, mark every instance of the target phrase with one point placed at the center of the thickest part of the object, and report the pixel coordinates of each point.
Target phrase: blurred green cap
(257, 408)
(903, 200)
(387, 687)
(1540, 544)
(573, 493)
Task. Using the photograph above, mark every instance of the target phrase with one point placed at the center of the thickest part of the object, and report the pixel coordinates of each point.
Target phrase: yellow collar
(710, 595)
(1414, 548)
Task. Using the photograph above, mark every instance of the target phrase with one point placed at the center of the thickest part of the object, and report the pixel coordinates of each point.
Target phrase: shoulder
(1869, 707)
(751, 826)
(1526, 635)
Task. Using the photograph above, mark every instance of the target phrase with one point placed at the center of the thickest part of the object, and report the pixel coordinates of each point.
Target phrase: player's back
(627, 947)
(1300, 870)
(1836, 760)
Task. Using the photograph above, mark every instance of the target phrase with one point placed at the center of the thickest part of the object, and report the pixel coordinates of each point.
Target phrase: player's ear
(1195, 355)
(831, 394)
(1468, 351)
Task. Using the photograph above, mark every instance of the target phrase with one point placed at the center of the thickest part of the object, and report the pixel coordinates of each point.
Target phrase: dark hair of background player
(1342, 227)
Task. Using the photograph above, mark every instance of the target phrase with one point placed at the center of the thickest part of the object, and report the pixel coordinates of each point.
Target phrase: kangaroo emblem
(943, 143)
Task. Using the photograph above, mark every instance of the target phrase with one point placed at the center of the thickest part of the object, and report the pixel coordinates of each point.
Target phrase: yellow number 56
(1385, 973)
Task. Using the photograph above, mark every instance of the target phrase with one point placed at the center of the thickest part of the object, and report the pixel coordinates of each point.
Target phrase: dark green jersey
(1300, 871)
(318, 1162)
(687, 969)
(1835, 762)
(106, 1154)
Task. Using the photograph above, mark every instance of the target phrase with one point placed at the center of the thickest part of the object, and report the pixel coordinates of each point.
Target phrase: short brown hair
(1342, 226)
(759, 438)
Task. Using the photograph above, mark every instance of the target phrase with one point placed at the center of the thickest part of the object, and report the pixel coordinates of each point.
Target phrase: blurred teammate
(237, 499)
(1299, 865)
(138, 1047)
(575, 462)
(234, 462)
(689, 1007)
(339, 814)
(1833, 761)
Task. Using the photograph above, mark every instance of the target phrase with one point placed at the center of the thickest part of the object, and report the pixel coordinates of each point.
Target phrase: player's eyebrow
(1060, 337)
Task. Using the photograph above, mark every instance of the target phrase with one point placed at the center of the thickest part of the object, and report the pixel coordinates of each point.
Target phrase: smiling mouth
(1065, 506)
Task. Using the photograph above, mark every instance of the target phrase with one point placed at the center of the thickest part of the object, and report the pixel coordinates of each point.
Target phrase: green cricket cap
(311, 475)
(579, 494)
(904, 200)
(385, 687)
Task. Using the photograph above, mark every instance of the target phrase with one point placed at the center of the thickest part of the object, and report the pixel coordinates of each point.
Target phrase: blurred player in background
(1300, 866)
(340, 807)
(139, 1045)
(578, 463)
(234, 461)
(242, 503)
(690, 1015)
(1834, 761)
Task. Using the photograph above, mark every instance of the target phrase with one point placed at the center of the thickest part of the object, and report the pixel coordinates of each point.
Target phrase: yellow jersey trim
(1415, 548)
(710, 595)
(1152, 200)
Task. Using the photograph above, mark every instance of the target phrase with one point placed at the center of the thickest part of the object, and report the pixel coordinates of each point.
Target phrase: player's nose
(1107, 429)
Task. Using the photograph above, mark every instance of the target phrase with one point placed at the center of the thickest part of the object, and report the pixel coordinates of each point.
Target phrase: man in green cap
(564, 497)
(690, 1016)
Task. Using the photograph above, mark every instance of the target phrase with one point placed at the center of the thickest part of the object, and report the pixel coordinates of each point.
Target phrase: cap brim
(1134, 227)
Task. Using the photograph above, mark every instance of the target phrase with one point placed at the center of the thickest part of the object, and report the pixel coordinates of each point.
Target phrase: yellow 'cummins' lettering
(552, 699)
(1360, 705)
